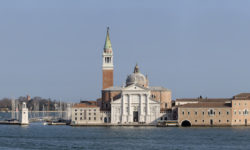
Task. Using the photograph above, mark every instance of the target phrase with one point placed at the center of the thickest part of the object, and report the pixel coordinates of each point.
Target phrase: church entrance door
(135, 116)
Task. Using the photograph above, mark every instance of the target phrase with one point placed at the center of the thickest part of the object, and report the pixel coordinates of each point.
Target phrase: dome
(136, 78)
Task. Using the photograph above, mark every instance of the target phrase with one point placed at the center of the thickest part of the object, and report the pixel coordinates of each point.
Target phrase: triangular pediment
(135, 87)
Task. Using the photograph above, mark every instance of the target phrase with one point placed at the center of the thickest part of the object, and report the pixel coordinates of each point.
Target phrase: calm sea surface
(38, 136)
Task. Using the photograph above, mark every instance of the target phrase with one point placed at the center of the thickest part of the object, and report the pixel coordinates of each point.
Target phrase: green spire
(107, 42)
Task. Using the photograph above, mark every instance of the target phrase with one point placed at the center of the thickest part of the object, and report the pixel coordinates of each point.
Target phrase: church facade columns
(134, 106)
(147, 109)
(123, 114)
(141, 107)
(130, 109)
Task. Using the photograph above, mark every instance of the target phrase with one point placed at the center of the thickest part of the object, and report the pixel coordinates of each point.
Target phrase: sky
(53, 48)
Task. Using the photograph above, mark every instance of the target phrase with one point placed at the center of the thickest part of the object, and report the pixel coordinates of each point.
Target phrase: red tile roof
(206, 105)
(203, 100)
(242, 96)
(84, 105)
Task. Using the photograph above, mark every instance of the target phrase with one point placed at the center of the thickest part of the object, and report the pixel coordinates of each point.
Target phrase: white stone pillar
(130, 117)
(147, 109)
(112, 114)
(123, 109)
(141, 109)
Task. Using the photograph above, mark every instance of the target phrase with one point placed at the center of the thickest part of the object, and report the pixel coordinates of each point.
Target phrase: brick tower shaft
(107, 64)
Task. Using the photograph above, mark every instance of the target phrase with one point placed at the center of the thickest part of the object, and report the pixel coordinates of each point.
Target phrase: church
(134, 103)
(138, 103)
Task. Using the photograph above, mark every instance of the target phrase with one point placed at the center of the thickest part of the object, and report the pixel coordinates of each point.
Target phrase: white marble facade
(135, 106)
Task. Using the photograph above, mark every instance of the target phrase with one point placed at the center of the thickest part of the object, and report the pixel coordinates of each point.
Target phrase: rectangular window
(183, 113)
(203, 113)
(195, 120)
(81, 118)
(227, 113)
(89, 113)
(89, 118)
(85, 114)
(94, 118)
(76, 114)
(75, 118)
(94, 113)
(80, 113)
(227, 120)
(219, 112)
(196, 113)
(188, 113)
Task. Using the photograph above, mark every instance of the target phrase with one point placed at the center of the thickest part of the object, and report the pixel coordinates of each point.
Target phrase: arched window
(105, 120)
(211, 112)
(245, 112)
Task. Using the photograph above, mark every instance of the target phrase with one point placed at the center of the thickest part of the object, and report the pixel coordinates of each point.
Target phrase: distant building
(205, 114)
(134, 103)
(88, 113)
(28, 98)
(240, 109)
(214, 112)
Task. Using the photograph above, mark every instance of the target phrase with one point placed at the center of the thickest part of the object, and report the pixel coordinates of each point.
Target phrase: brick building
(214, 112)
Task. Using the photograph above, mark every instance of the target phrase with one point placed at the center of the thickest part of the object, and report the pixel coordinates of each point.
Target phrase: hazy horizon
(53, 49)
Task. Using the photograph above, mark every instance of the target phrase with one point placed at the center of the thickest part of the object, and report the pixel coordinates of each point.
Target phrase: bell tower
(107, 63)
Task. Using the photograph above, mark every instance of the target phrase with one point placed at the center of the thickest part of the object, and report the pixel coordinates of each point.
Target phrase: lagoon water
(39, 136)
